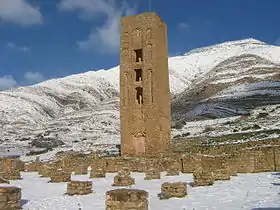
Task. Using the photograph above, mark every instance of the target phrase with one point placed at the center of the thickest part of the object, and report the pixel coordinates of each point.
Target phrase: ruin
(145, 112)
(60, 176)
(123, 178)
(10, 198)
(124, 199)
(11, 174)
(203, 177)
(152, 174)
(79, 187)
(175, 189)
(172, 171)
(97, 173)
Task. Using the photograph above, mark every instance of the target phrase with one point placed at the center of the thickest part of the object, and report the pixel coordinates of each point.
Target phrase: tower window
(139, 55)
(138, 73)
(139, 95)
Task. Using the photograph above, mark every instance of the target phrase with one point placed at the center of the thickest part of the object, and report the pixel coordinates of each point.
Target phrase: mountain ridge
(84, 107)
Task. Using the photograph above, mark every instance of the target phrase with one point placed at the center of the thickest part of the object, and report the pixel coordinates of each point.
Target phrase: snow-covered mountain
(82, 110)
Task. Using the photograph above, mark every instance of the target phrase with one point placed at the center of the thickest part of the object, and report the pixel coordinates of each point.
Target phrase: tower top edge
(142, 16)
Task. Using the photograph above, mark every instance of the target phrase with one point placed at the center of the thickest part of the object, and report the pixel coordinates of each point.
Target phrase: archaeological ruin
(145, 111)
(10, 198)
(124, 199)
(175, 189)
(79, 187)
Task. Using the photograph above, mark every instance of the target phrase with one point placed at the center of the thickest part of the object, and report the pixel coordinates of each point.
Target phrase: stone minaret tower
(145, 112)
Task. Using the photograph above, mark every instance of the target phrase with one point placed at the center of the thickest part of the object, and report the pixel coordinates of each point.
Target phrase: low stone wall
(79, 187)
(238, 158)
(138, 164)
(222, 174)
(32, 167)
(173, 171)
(98, 173)
(46, 171)
(10, 198)
(277, 158)
(81, 170)
(203, 178)
(123, 178)
(176, 189)
(60, 176)
(264, 159)
(152, 174)
(4, 181)
(124, 199)
(11, 164)
(11, 174)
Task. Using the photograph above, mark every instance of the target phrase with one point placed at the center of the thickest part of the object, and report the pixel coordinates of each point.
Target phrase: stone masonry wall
(124, 199)
(79, 187)
(10, 198)
(176, 189)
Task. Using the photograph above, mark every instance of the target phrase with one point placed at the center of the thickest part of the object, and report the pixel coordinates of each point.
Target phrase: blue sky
(42, 39)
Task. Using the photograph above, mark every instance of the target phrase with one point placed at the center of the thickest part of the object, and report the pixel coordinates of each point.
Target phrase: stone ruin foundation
(152, 174)
(123, 178)
(172, 172)
(176, 189)
(11, 174)
(127, 199)
(4, 181)
(98, 173)
(222, 174)
(46, 171)
(60, 176)
(203, 178)
(81, 170)
(79, 187)
(10, 198)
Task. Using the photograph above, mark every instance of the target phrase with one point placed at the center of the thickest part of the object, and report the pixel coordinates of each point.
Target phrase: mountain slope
(82, 110)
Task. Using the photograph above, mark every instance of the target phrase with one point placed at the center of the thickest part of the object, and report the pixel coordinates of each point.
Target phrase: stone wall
(176, 189)
(79, 187)
(242, 160)
(4, 181)
(60, 176)
(203, 178)
(11, 163)
(138, 164)
(123, 178)
(11, 174)
(264, 159)
(97, 173)
(152, 174)
(124, 199)
(277, 158)
(10, 198)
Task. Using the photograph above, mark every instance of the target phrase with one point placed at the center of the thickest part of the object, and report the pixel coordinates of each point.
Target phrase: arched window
(139, 95)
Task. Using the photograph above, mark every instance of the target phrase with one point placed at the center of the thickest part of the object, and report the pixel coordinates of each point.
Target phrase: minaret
(145, 111)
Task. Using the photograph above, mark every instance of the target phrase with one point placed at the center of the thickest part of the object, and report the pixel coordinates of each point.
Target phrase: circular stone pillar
(123, 199)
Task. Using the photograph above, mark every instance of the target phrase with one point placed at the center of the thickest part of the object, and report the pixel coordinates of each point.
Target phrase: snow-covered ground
(246, 191)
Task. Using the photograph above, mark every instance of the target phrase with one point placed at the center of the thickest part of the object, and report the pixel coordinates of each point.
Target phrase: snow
(242, 90)
(245, 191)
(80, 103)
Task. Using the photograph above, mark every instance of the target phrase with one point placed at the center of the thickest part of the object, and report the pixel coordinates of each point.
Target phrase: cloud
(104, 39)
(184, 27)
(31, 78)
(7, 82)
(24, 49)
(19, 12)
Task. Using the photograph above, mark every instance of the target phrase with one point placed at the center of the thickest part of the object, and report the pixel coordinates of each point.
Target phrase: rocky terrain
(218, 92)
